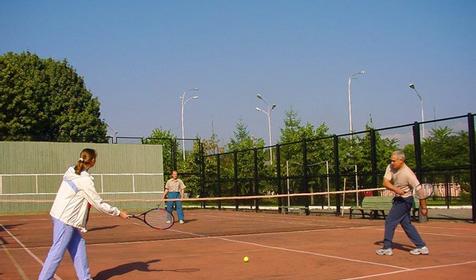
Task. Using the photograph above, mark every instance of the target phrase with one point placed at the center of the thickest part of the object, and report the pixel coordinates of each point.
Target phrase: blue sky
(138, 57)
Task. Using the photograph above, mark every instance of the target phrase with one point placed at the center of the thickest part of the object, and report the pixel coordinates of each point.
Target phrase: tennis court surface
(212, 244)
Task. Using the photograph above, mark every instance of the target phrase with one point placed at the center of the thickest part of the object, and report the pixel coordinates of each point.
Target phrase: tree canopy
(45, 99)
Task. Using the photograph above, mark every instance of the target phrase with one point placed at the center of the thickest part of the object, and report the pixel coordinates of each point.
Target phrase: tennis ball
(245, 259)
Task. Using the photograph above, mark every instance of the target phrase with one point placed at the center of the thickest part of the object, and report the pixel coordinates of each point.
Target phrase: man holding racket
(400, 179)
(174, 188)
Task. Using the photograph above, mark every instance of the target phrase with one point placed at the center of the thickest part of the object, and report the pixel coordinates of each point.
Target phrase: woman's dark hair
(86, 157)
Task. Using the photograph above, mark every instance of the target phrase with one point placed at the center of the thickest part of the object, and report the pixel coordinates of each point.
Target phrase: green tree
(167, 139)
(45, 99)
(319, 149)
(244, 142)
(318, 146)
(444, 148)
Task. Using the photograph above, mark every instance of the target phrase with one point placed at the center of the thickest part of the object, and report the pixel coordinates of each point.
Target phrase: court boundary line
(409, 270)
(431, 233)
(311, 253)
(27, 250)
(17, 266)
(201, 236)
(293, 250)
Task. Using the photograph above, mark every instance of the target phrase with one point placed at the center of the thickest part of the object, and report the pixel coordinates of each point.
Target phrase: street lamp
(183, 101)
(353, 76)
(115, 132)
(412, 86)
(268, 114)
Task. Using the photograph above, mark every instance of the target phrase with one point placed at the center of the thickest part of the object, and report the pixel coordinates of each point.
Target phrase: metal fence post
(417, 145)
(337, 172)
(418, 162)
(255, 177)
(235, 177)
(278, 177)
(202, 174)
(174, 153)
(373, 157)
(305, 179)
(472, 160)
(218, 180)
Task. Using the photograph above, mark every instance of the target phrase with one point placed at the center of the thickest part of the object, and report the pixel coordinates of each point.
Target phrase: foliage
(246, 145)
(167, 139)
(444, 148)
(44, 99)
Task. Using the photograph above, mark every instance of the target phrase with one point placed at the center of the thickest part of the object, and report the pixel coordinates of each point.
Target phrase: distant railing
(60, 175)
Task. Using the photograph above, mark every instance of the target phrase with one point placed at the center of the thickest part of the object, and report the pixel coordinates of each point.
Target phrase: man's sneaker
(181, 221)
(384, 252)
(420, 251)
(168, 222)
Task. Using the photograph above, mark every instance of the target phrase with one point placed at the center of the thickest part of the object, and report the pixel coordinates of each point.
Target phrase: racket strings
(424, 191)
(159, 218)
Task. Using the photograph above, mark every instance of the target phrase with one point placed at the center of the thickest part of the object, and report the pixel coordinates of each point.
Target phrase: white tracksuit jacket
(71, 202)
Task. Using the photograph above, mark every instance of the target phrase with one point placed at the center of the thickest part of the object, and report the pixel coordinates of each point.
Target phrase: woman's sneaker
(420, 251)
(384, 252)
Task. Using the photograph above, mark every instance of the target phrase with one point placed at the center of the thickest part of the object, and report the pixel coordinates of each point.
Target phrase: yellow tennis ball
(246, 259)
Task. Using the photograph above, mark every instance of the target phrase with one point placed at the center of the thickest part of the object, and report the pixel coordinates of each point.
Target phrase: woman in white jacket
(69, 213)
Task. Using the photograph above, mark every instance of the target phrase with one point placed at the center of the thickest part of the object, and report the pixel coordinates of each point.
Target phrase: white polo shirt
(402, 178)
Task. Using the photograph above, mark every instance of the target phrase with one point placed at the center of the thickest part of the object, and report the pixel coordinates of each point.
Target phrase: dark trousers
(400, 214)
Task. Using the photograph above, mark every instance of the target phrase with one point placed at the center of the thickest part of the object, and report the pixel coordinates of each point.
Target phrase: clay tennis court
(212, 244)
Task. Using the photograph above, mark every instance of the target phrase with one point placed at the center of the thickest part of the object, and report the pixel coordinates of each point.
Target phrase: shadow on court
(124, 269)
(102, 228)
(9, 227)
(397, 246)
(190, 221)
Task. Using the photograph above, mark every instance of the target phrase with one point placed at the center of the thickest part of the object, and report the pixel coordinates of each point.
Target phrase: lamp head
(259, 96)
(195, 97)
(258, 109)
(274, 106)
(412, 86)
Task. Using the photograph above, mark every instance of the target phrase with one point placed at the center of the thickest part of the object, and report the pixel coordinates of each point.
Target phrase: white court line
(310, 253)
(277, 220)
(409, 270)
(452, 228)
(431, 233)
(202, 236)
(197, 236)
(291, 250)
(17, 266)
(26, 249)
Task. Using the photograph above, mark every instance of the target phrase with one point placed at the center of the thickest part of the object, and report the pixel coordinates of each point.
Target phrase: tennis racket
(423, 191)
(156, 218)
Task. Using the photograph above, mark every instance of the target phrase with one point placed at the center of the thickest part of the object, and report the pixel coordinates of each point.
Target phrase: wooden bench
(376, 204)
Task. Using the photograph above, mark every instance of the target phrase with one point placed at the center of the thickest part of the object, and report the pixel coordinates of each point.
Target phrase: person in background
(70, 213)
(174, 188)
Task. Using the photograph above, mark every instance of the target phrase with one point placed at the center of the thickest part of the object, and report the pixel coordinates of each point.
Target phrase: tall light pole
(412, 86)
(115, 132)
(267, 112)
(183, 101)
(349, 93)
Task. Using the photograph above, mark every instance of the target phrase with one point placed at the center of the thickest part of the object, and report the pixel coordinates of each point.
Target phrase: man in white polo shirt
(400, 179)
(174, 188)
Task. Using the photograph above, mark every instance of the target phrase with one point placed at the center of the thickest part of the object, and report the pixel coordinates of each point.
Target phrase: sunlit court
(237, 140)
(212, 244)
